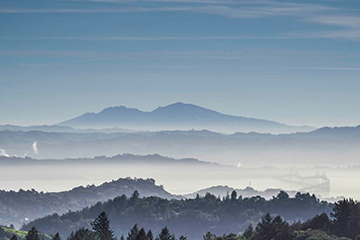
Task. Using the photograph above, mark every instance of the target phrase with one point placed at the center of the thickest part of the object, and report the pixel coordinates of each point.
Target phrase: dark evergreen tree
(57, 237)
(141, 235)
(281, 229)
(233, 195)
(341, 215)
(122, 237)
(264, 229)
(101, 226)
(165, 235)
(14, 237)
(32, 234)
(209, 236)
(83, 234)
(134, 197)
(133, 233)
(320, 221)
(150, 235)
(282, 195)
(249, 232)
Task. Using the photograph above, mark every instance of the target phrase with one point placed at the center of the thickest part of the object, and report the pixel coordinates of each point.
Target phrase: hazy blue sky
(295, 62)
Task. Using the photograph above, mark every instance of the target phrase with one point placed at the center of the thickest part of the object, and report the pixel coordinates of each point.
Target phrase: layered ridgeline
(20, 207)
(224, 191)
(322, 146)
(190, 217)
(177, 116)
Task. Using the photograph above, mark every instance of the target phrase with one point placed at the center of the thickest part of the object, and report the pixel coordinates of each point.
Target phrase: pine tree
(133, 233)
(57, 237)
(149, 235)
(33, 234)
(101, 226)
(165, 234)
(141, 235)
(209, 236)
(341, 215)
(249, 232)
(14, 237)
(233, 195)
(264, 229)
(83, 234)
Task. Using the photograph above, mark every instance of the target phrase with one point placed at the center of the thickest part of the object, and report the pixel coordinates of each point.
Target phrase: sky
(295, 62)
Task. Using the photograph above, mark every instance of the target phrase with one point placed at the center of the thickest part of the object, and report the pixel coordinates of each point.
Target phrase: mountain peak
(177, 105)
(177, 116)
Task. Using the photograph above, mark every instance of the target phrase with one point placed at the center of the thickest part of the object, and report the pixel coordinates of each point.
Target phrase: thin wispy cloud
(297, 10)
(108, 55)
(165, 38)
(90, 10)
(353, 35)
(311, 13)
(344, 21)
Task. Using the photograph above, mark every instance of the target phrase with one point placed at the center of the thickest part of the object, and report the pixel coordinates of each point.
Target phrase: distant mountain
(177, 116)
(330, 145)
(223, 191)
(59, 129)
(19, 207)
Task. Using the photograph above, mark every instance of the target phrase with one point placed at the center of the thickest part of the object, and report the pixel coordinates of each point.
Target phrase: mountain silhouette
(177, 116)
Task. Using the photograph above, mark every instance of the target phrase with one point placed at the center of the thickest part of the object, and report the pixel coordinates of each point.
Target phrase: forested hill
(15, 207)
(190, 217)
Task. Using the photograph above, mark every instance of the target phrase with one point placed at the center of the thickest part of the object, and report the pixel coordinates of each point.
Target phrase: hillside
(7, 232)
(329, 144)
(224, 191)
(190, 217)
(17, 207)
(175, 117)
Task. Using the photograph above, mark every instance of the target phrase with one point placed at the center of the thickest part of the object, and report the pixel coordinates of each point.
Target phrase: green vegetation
(9, 233)
(15, 206)
(343, 225)
(188, 217)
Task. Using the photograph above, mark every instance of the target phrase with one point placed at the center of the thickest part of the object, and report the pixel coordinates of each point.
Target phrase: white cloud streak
(94, 10)
(3, 153)
(34, 147)
(340, 20)
(310, 13)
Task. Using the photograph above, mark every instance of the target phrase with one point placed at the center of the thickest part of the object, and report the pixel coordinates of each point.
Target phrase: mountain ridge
(16, 207)
(177, 116)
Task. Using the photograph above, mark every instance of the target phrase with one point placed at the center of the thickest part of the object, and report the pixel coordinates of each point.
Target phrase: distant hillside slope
(6, 233)
(177, 116)
(190, 217)
(224, 191)
(16, 207)
(322, 146)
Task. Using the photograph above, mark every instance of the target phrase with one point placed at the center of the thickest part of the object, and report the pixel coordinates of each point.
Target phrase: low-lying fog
(178, 177)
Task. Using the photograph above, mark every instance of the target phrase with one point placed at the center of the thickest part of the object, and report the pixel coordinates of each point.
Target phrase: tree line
(343, 224)
(189, 217)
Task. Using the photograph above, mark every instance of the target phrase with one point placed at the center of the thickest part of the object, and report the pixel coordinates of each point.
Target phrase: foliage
(8, 233)
(32, 204)
(346, 218)
(33, 234)
(82, 234)
(188, 217)
(101, 227)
